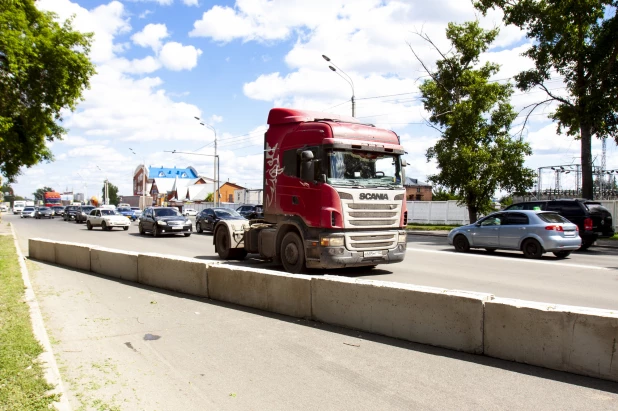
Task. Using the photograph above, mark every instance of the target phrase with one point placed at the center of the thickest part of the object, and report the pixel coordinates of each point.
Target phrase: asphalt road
(588, 279)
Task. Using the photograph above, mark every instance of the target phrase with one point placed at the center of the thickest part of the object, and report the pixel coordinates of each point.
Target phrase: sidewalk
(444, 233)
(137, 348)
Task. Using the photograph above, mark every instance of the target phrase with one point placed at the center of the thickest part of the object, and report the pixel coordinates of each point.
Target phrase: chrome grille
(360, 214)
(365, 223)
(361, 206)
(372, 242)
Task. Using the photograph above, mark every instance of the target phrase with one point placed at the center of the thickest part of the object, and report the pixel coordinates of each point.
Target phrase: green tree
(209, 197)
(44, 68)
(112, 192)
(476, 156)
(578, 39)
(506, 200)
(441, 194)
(39, 193)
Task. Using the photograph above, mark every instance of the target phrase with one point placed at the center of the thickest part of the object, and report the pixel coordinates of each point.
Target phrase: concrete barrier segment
(74, 255)
(42, 249)
(114, 263)
(427, 315)
(273, 291)
(575, 339)
(182, 274)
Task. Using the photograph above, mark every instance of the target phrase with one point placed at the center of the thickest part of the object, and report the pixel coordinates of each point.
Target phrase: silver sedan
(533, 232)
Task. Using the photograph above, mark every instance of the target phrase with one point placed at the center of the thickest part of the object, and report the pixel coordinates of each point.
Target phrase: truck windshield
(361, 168)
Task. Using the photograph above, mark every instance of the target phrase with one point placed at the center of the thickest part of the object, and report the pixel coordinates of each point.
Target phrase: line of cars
(538, 227)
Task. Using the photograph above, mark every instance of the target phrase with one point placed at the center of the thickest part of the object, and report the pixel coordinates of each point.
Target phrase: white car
(106, 219)
(189, 211)
(28, 212)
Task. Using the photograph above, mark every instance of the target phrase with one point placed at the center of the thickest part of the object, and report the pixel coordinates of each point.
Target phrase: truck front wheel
(293, 253)
(222, 241)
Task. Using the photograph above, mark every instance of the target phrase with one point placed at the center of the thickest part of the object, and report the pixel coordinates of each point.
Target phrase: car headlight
(161, 222)
(401, 238)
(332, 241)
(188, 221)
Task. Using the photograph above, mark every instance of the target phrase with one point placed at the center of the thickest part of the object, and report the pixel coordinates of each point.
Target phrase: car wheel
(125, 228)
(532, 249)
(76, 220)
(491, 250)
(461, 243)
(187, 234)
(140, 229)
(156, 232)
(562, 254)
(586, 244)
(103, 226)
(293, 253)
(198, 228)
(88, 225)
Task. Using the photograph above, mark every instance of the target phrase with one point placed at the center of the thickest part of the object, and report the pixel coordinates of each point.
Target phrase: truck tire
(222, 243)
(293, 253)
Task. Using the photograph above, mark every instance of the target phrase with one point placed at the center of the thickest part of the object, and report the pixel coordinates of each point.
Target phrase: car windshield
(109, 212)
(226, 213)
(124, 210)
(166, 212)
(87, 209)
(367, 169)
(43, 208)
(596, 207)
(552, 218)
(29, 209)
(135, 208)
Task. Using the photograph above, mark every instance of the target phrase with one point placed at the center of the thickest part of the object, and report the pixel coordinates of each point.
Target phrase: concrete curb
(47, 358)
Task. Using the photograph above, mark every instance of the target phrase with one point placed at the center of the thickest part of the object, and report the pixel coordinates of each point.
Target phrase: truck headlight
(401, 238)
(161, 222)
(332, 241)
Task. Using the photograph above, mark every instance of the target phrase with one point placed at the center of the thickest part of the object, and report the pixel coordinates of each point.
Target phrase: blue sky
(162, 62)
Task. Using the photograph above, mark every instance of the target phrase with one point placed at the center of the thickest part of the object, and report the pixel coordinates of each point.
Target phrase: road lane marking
(552, 263)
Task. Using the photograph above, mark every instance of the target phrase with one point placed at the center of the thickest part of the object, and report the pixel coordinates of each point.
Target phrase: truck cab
(333, 194)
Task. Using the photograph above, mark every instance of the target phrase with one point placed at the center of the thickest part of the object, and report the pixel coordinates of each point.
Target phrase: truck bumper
(340, 257)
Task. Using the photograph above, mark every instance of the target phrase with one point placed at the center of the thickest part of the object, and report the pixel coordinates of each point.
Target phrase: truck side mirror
(306, 165)
(404, 163)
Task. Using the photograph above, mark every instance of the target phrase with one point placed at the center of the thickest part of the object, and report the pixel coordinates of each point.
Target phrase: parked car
(593, 220)
(58, 210)
(251, 212)
(44, 212)
(189, 212)
(209, 217)
(81, 215)
(137, 211)
(3, 208)
(531, 231)
(164, 220)
(69, 212)
(127, 212)
(106, 219)
(28, 212)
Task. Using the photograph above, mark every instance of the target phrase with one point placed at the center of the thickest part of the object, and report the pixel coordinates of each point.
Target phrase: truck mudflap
(332, 257)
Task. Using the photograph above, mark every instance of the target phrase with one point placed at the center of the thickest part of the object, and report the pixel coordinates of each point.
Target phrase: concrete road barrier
(42, 250)
(574, 339)
(114, 263)
(182, 274)
(426, 315)
(73, 255)
(267, 290)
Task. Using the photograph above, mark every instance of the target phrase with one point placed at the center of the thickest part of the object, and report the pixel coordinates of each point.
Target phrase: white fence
(448, 212)
(437, 212)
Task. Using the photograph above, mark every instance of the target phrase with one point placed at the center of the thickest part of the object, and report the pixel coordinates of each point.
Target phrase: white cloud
(151, 36)
(145, 14)
(174, 56)
(191, 2)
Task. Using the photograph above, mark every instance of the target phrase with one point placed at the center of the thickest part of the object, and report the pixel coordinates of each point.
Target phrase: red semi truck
(51, 198)
(333, 196)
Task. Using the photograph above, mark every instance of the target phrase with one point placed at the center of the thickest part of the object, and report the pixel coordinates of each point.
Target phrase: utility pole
(216, 187)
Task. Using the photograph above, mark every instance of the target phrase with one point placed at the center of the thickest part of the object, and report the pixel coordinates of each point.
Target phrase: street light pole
(215, 193)
(337, 70)
(106, 191)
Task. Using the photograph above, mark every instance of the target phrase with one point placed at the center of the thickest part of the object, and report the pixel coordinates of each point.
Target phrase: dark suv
(69, 212)
(593, 220)
(251, 212)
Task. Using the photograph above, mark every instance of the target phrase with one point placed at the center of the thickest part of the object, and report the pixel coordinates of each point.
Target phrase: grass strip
(423, 227)
(22, 382)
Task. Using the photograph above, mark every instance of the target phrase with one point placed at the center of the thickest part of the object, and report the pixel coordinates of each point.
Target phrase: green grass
(22, 385)
(614, 238)
(430, 227)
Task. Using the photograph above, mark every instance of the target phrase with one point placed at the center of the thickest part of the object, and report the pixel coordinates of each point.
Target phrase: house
(417, 190)
(227, 192)
(172, 186)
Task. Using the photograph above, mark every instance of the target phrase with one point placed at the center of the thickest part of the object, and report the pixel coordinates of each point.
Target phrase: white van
(18, 206)
(124, 205)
